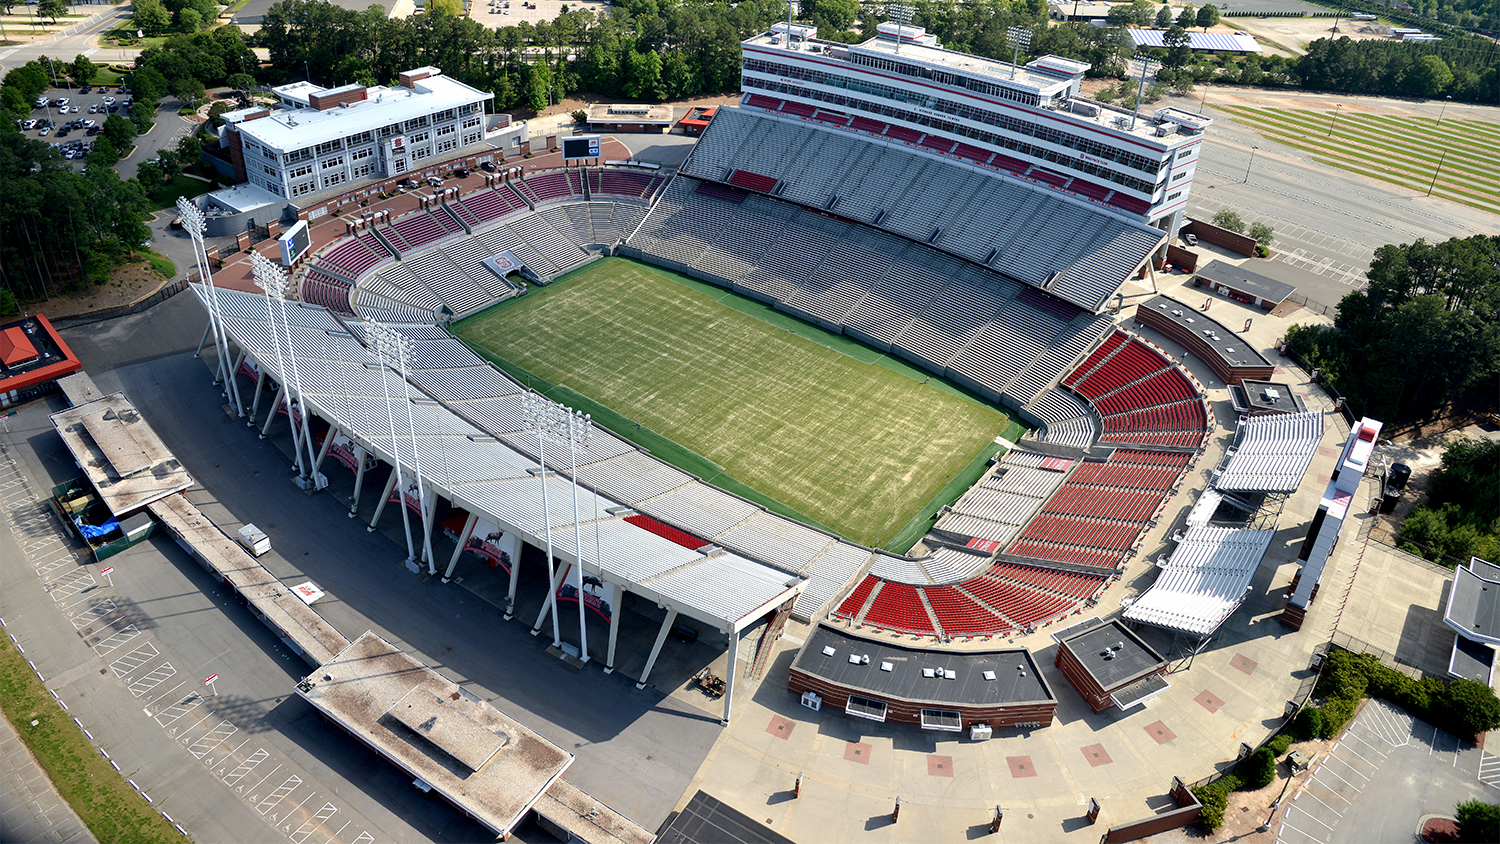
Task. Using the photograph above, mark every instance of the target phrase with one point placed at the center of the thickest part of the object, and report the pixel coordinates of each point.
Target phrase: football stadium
(860, 361)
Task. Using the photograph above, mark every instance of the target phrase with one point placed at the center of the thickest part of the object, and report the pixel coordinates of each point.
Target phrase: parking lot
(69, 120)
(1385, 772)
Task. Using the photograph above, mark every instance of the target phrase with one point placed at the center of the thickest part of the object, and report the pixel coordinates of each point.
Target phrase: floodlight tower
(193, 223)
(375, 336)
(394, 348)
(545, 423)
(580, 430)
(272, 279)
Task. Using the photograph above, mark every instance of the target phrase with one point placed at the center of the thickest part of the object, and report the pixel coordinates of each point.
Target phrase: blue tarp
(91, 532)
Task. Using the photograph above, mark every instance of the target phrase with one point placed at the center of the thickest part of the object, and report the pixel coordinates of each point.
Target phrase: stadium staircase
(767, 645)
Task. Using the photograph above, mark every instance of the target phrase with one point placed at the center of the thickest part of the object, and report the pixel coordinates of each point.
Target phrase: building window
(473, 138)
(363, 170)
(330, 163)
(329, 146)
(360, 138)
(863, 707)
(447, 144)
(361, 154)
(270, 171)
(944, 720)
(446, 130)
(300, 155)
(418, 138)
(299, 172)
(1172, 196)
(304, 188)
(416, 123)
(447, 114)
(419, 153)
(471, 122)
(1179, 177)
(331, 179)
(388, 131)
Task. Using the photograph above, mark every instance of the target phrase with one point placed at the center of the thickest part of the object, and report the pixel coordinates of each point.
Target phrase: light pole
(1436, 172)
(1334, 119)
(193, 223)
(272, 279)
(541, 424)
(1444, 110)
(394, 348)
(1248, 166)
(374, 332)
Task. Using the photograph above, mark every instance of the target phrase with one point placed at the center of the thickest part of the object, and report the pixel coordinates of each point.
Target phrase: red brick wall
(1194, 344)
(237, 155)
(323, 102)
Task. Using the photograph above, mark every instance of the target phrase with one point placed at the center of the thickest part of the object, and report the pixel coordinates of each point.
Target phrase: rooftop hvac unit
(1166, 129)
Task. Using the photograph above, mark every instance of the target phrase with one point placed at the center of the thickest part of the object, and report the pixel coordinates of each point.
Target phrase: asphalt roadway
(128, 654)
(1328, 222)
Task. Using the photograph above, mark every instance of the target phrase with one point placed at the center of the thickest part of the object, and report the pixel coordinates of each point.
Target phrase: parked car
(62, 102)
(41, 102)
(46, 130)
(109, 101)
(1190, 239)
(74, 109)
(94, 130)
(85, 89)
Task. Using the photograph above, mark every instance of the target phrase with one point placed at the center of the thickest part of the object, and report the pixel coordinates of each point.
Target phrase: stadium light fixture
(1444, 110)
(1020, 39)
(376, 339)
(272, 279)
(1334, 119)
(193, 223)
(1248, 166)
(902, 14)
(563, 424)
(543, 424)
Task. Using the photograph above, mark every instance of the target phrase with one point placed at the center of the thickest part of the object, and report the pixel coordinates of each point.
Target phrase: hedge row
(1463, 708)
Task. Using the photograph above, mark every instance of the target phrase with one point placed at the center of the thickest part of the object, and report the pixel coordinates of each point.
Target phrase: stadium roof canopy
(1272, 453)
(1474, 602)
(1215, 42)
(1204, 580)
(472, 468)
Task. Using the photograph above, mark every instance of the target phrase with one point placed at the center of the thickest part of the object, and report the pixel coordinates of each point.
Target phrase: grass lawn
(850, 443)
(112, 810)
(166, 195)
(1402, 151)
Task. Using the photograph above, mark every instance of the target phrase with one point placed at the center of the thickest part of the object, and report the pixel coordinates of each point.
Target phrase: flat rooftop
(1474, 602)
(121, 456)
(708, 820)
(1231, 348)
(1245, 280)
(1017, 679)
(1129, 657)
(629, 113)
(364, 687)
(1271, 395)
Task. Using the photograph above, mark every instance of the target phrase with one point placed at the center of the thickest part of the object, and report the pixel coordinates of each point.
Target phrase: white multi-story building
(322, 138)
(1027, 119)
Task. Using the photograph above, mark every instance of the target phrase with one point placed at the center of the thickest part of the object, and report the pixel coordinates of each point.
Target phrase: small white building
(318, 139)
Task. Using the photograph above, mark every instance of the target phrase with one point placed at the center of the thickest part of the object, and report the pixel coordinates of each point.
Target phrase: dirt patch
(131, 283)
(1439, 830)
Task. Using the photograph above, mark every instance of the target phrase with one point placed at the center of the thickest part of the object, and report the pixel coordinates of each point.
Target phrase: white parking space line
(1285, 825)
(135, 659)
(363, 838)
(118, 640)
(214, 738)
(158, 675)
(1325, 769)
(245, 767)
(278, 794)
(1333, 792)
(312, 824)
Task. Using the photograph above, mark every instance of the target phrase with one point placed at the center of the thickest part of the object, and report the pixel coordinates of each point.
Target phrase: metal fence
(1315, 307)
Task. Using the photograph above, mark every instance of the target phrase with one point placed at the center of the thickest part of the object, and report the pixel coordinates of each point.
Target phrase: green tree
(82, 70)
(1259, 768)
(150, 175)
(1226, 219)
(151, 16)
(241, 82)
(1187, 17)
(189, 19)
(1207, 16)
(1429, 77)
(147, 85)
(539, 80)
(1478, 823)
(1262, 234)
(836, 15)
(1178, 51)
(118, 131)
(104, 153)
(188, 90)
(1163, 17)
(142, 115)
(1474, 705)
(189, 149)
(53, 9)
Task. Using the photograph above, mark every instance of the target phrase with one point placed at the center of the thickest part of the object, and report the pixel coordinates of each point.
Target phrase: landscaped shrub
(1259, 769)
(1281, 744)
(1336, 713)
(1467, 709)
(1477, 822)
(1309, 724)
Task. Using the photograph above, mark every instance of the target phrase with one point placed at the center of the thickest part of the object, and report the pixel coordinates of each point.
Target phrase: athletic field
(1458, 159)
(858, 446)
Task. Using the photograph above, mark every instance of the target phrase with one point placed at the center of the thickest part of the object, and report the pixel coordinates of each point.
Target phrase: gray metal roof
(1474, 603)
(1219, 42)
(1016, 677)
(1271, 453)
(341, 380)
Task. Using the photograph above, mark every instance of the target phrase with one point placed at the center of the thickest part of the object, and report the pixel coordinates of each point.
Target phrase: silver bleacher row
(1002, 502)
(449, 371)
(453, 274)
(947, 315)
(1024, 230)
(1065, 420)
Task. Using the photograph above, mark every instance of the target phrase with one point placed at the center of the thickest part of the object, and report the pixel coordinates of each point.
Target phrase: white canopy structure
(1204, 581)
(1271, 453)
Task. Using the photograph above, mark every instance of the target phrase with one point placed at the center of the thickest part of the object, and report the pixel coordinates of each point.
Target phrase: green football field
(857, 445)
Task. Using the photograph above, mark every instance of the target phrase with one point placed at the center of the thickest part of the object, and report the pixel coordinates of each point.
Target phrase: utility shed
(122, 457)
(479, 759)
(1111, 666)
